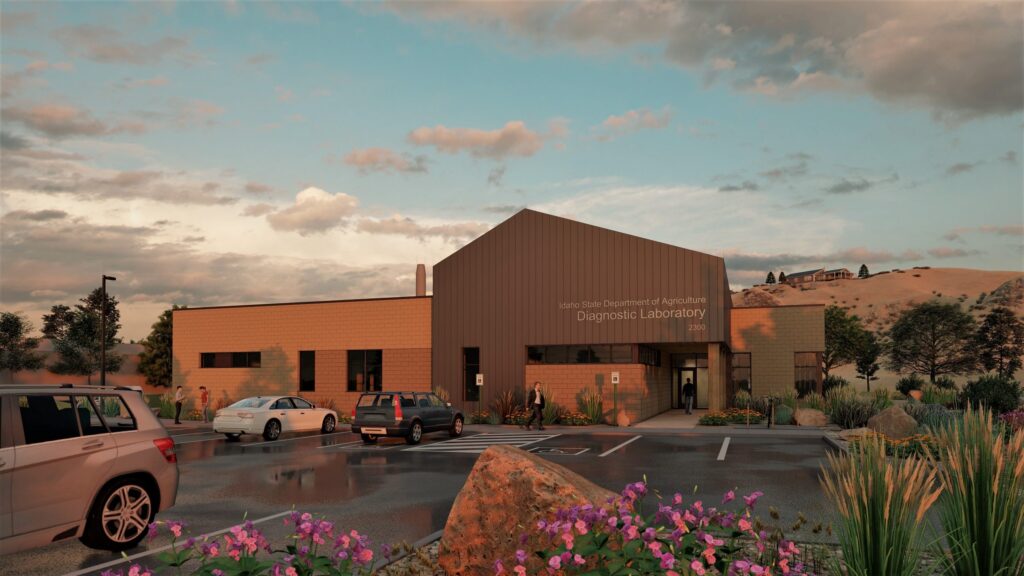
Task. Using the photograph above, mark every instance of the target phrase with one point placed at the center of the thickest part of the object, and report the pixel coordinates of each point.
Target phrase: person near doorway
(689, 392)
(179, 398)
(204, 402)
(535, 404)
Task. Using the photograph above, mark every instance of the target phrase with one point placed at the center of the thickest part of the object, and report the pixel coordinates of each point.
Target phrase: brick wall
(400, 327)
(643, 391)
(772, 335)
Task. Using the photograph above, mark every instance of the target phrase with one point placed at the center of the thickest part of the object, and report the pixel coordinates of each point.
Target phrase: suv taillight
(353, 412)
(166, 447)
(398, 410)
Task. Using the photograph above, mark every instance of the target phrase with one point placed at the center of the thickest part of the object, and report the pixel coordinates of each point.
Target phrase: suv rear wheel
(120, 515)
(415, 433)
(272, 430)
(369, 438)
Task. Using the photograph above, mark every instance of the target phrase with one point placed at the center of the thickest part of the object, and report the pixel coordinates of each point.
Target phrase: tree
(842, 334)
(782, 277)
(866, 356)
(934, 339)
(17, 349)
(863, 271)
(157, 358)
(76, 336)
(1000, 341)
(770, 279)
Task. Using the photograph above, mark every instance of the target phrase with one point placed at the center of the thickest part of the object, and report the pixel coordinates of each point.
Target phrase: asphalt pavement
(395, 492)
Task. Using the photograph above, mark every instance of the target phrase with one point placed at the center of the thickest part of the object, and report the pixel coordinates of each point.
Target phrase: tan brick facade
(400, 327)
(773, 335)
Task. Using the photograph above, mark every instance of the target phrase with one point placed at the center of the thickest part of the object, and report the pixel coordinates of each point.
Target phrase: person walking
(179, 398)
(689, 392)
(535, 404)
(204, 402)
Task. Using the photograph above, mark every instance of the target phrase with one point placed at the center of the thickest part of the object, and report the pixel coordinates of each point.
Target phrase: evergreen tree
(782, 277)
(866, 356)
(1000, 341)
(17, 349)
(932, 338)
(863, 271)
(770, 279)
(842, 335)
(76, 336)
(156, 358)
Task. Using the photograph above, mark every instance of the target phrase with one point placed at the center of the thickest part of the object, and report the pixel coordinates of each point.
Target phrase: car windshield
(250, 403)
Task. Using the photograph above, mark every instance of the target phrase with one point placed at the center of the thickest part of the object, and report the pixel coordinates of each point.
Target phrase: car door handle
(91, 445)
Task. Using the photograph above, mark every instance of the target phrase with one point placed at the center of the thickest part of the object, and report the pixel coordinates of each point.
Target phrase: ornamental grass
(982, 504)
(881, 505)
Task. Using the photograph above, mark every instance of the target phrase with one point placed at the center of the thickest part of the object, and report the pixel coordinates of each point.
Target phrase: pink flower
(175, 529)
(290, 571)
(365, 556)
(579, 560)
(729, 497)
(752, 499)
(555, 562)
(520, 570)
(235, 555)
(568, 539)
(697, 567)
(745, 524)
(581, 526)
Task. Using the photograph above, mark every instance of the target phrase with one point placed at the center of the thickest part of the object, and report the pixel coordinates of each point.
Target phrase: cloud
(634, 120)
(283, 94)
(798, 167)
(1010, 157)
(108, 45)
(133, 83)
(259, 60)
(258, 188)
(315, 211)
(496, 176)
(960, 168)
(12, 22)
(405, 226)
(745, 186)
(61, 121)
(10, 141)
(885, 49)
(38, 215)
(13, 82)
(257, 210)
(997, 230)
(845, 186)
(513, 139)
(945, 252)
(384, 160)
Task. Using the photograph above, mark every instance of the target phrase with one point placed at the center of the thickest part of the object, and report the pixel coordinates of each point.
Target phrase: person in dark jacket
(535, 404)
(689, 392)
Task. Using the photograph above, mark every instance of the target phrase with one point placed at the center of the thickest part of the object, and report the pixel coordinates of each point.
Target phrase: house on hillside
(818, 275)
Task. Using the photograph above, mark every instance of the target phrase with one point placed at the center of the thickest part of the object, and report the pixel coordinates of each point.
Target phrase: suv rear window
(47, 418)
(115, 413)
(383, 401)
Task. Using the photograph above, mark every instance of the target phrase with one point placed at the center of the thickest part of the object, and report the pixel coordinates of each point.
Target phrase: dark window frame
(230, 359)
(580, 354)
(370, 375)
(738, 370)
(307, 384)
(470, 391)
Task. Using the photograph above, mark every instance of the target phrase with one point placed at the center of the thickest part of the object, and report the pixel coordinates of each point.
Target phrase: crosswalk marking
(478, 443)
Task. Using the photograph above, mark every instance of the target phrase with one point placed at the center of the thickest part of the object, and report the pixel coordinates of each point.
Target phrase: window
(741, 371)
(365, 370)
(301, 404)
(435, 401)
(307, 371)
(696, 360)
(47, 418)
(115, 413)
(593, 354)
(88, 419)
(249, 403)
(229, 360)
(282, 404)
(806, 372)
(470, 368)
(649, 356)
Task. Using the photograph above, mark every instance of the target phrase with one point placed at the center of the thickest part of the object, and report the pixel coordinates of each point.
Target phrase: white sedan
(272, 415)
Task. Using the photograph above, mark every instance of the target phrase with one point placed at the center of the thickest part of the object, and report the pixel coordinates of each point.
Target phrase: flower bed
(731, 416)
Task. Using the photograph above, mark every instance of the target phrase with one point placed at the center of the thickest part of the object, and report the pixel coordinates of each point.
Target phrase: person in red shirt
(204, 401)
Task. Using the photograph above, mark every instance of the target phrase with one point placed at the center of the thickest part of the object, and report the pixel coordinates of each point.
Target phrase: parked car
(271, 416)
(404, 414)
(81, 461)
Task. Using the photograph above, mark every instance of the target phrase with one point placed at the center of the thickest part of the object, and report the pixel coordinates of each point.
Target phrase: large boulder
(809, 417)
(894, 423)
(506, 493)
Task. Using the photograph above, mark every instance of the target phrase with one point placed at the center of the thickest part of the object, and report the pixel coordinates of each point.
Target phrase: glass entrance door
(699, 378)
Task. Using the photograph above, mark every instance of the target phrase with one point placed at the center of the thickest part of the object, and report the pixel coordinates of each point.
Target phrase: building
(537, 298)
(818, 275)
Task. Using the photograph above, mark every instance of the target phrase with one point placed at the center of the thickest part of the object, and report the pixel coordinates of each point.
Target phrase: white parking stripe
(218, 437)
(480, 442)
(133, 557)
(341, 445)
(292, 439)
(725, 446)
(607, 452)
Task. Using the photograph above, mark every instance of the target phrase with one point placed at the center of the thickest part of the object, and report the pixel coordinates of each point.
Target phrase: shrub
(881, 505)
(848, 410)
(617, 538)
(832, 381)
(945, 382)
(928, 416)
(982, 504)
(575, 419)
(788, 398)
(783, 414)
(742, 399)
(713, 419)
(998, 393)
(480, 417)
(592, 405)
(813, 401)
(934, 395)
(519, 416)
(505, 403)
(908, 383)
(1014, 421)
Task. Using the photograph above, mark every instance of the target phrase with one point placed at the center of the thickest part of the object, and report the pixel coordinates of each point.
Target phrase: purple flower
(385, 551)
(151, 532)
(752, 499)
(521, 556)
(499, 568)
(729, 497)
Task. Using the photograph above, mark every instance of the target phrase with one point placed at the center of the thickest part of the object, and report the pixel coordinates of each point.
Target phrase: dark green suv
(405, 415)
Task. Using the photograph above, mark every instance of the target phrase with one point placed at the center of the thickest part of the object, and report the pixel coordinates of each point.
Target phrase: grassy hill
(879, 299)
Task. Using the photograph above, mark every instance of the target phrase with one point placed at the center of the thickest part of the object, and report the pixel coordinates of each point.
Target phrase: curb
(834, 443)
(425, 541)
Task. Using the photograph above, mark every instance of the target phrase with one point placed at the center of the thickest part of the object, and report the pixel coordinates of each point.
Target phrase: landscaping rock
(809, 417)
(854, 433)
(894, 423)
(506, 493)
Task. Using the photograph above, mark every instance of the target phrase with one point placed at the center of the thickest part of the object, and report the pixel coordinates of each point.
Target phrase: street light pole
(103, 332)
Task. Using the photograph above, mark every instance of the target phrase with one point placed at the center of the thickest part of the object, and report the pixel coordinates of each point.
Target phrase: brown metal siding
(501, 293)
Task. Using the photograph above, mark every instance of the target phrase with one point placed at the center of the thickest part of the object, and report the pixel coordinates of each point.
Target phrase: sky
(214, 153)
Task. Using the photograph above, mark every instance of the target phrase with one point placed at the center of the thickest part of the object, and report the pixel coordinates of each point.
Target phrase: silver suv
(81, 461)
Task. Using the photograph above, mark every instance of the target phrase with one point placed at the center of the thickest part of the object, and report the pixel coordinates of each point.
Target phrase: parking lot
(395, 492)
